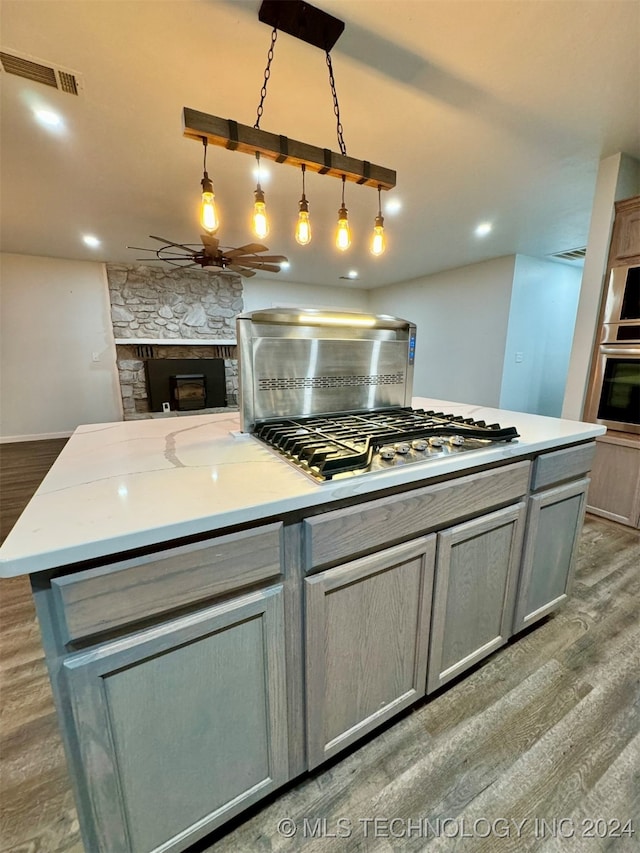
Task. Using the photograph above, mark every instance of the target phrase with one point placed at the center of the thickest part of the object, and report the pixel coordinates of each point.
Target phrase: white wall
(542, 318)
(272, 293)
(461, 317)
(54, 314)
(618, 178)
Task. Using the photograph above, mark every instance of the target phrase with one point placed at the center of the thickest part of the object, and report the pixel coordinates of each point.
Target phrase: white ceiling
(489, 111)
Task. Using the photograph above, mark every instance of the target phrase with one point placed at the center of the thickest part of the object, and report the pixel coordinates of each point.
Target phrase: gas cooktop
(341, 445)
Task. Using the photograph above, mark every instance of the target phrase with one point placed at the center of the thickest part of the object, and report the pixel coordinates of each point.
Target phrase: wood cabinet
(615, 479)
(367, 635)
(180, 726)
(553, 526)
(194, 680)
(625, 237)
(476, 578)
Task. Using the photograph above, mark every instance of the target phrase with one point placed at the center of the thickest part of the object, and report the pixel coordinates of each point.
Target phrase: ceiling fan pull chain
(267, 74)
(336, 107)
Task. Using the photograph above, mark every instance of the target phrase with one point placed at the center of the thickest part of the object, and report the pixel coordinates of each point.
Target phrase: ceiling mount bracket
(303, 21)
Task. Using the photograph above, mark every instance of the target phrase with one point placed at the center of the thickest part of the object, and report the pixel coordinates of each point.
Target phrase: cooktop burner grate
(329, 445)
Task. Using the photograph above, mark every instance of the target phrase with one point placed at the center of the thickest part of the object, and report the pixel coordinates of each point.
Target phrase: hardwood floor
(22, 467)
(546, 728)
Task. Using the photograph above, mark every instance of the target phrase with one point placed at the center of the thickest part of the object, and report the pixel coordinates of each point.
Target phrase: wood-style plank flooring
(23, 465)
(546, 728)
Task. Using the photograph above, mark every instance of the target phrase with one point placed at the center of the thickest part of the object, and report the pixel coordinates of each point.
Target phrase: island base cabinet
(367, 634)
(181, 726)
(551, 544)
(474, 594)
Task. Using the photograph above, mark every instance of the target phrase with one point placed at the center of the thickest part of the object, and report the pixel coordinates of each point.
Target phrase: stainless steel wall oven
(614, 394)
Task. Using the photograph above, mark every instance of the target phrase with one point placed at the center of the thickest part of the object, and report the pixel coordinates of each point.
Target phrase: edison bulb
(208, 213)
(260, 222)
(378, 242)
(343, 234)
(303, 227)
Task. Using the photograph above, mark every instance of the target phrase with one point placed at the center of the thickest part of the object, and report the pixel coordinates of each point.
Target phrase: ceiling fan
(245, 260)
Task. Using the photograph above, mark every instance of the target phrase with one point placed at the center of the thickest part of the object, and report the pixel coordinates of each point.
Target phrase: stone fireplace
(172, 313)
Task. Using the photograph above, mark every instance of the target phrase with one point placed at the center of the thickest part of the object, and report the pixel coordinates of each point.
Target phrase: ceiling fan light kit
(303, 21)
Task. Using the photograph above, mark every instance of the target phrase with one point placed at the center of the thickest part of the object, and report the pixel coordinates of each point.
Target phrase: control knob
(419, 444)
(436, 441)
(456, 440)
(402, 447)
(387, 452)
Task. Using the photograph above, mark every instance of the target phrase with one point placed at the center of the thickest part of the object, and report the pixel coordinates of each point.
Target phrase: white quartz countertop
(133, 484)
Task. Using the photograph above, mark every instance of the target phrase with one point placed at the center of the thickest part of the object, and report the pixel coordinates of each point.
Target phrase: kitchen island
(216, 623)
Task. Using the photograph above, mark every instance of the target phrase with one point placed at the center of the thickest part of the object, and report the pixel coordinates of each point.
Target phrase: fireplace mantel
(190, 342)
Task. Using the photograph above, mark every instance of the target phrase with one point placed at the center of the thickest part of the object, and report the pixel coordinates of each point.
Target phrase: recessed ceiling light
(352, 274)
(483, 229)
(285, 265)
(392, 206)
(260, 174)
(91, 241)
(48, 118)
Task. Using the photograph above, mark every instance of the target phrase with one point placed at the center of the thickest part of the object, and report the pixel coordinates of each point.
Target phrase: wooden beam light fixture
(312, 25)
(249, 140)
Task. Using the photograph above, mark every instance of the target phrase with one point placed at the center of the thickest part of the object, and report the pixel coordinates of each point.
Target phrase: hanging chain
(267, 74)
(336, 107)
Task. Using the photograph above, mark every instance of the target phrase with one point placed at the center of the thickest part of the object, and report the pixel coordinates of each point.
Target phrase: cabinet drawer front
(99, 600)
(559, 465)
(342, 533)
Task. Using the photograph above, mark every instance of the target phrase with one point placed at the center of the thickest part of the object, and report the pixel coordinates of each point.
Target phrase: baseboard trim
(7, 439)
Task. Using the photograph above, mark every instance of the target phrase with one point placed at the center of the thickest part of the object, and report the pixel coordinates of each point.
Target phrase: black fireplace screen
(186, 383)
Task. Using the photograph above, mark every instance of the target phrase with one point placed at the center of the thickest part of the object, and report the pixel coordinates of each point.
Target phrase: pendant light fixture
(208, 213)
(259, 220)
(343, 234)
(321, 30)
(303, 225)
(378, 242)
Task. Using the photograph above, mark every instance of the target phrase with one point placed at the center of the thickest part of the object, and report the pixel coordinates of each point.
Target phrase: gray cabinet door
(366, 643)
(553, 528)
(181, 726)
(474, 594)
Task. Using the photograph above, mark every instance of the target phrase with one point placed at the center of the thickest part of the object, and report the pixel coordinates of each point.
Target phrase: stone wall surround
(172, 304)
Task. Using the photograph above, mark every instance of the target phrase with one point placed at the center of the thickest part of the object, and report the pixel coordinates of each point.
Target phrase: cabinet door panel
(185, 723)
(476, 575)
(367, 637)
(554, 525)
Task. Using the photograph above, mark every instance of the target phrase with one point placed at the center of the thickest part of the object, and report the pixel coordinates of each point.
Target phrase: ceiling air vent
(40, 72)
(571, 255)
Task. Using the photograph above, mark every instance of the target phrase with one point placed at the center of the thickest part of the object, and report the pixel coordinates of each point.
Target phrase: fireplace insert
(186, 383)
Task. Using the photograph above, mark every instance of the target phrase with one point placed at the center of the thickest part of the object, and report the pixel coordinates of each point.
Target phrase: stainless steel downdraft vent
(49, 75)
(571, 255)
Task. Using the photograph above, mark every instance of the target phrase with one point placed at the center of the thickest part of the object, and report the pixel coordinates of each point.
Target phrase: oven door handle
(620, 350)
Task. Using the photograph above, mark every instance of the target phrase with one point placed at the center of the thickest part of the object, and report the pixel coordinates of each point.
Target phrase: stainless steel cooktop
(342, 445)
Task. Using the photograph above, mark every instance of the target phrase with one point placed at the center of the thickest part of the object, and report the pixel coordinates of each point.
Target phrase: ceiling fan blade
(270, 259)
(210, 242)
(249, 249)
(245, 272)
(171, 243)
(141, 249)
(258, 266)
